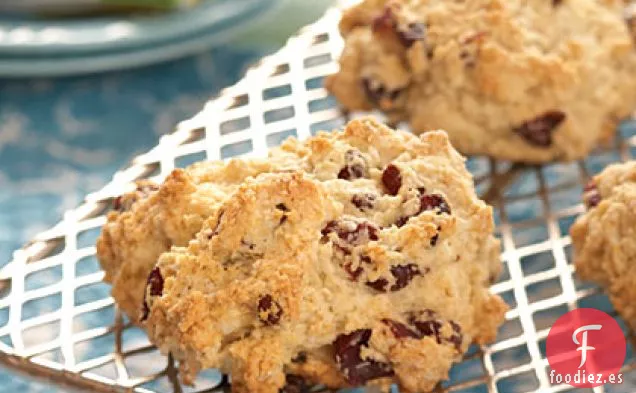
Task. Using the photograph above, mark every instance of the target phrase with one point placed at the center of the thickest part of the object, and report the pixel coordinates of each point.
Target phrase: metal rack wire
(58, 321)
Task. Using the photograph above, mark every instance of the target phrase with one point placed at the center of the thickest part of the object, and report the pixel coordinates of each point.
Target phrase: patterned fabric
(61, 139)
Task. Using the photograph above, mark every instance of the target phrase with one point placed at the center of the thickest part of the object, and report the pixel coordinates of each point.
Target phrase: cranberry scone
(366, 261)
(530, 81)
(604, 238)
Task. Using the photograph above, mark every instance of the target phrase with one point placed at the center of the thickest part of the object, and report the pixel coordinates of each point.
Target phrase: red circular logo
(585, 348)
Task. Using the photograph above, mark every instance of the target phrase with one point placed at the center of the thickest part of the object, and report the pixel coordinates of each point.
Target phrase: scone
(366, 263)
(604, 238)
(530, 81)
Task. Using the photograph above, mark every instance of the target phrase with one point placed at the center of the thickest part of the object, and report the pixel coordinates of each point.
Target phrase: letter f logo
(583, 345)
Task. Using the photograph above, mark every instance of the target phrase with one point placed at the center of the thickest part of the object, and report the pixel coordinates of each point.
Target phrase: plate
(37, 47)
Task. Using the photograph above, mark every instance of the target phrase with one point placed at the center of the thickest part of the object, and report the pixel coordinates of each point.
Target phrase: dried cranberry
(377, 93)
(356, 370)
(379, 284)
(351, 172)
(144, 189)
(348, 238)
(363, 201)
(353, 274)
(427, 324)
(393, 95)
(282, 207)
(344, 249)
(366, 230)
(294, 384)
(456, 338)
(392, 179)
(400, 330)
(155, 282)
(300, 358)
(144, 310)
(269, 311)
(332, 226)
(117, 203)
(432, 202)
(470, 60)
(403, 274)
(428, 202)
(593, 200)
(373, 90)
(402, 221)
(412, 33)
(591, 196)
(365, 259)
(538, 131)
(363, 231)
(556, 2)
(355, 166)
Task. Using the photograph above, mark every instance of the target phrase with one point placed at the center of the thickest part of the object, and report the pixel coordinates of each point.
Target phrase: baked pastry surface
(529, 81)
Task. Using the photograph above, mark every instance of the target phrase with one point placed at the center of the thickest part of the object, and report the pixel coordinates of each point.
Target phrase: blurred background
(84, 88)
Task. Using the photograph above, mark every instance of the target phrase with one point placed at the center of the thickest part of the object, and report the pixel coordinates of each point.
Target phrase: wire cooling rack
(58, 321)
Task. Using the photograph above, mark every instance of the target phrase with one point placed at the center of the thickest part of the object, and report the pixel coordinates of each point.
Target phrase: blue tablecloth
(60, 139)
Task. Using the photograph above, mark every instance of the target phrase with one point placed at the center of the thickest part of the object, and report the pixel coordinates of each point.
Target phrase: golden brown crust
(488, 71)
(365, 238)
